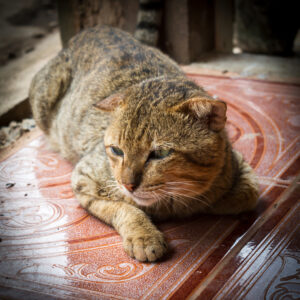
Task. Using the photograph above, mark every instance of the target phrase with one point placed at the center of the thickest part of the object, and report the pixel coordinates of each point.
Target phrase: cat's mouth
(141, 198)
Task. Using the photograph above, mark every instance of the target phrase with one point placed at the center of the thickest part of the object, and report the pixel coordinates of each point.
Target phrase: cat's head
(164, 140)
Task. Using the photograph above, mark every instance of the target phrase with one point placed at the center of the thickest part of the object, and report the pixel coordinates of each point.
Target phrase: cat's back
(103, 48)
(94, 45)
(100, 62)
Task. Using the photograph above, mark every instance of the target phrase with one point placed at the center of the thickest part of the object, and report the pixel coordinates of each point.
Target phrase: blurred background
(257, 39)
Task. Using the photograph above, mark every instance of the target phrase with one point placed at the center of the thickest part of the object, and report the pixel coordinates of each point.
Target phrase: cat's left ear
(213, 111)
(110, 103)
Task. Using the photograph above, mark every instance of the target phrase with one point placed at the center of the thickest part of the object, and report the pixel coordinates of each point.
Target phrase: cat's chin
(143, 201)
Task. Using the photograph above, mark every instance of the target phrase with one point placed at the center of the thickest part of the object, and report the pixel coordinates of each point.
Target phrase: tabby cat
(145, 140)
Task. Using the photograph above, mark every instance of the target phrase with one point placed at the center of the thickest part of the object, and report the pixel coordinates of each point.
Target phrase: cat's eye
(160, 154)
(116, 151)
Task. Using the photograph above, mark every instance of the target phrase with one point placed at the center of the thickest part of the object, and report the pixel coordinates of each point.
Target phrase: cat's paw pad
(146, 247)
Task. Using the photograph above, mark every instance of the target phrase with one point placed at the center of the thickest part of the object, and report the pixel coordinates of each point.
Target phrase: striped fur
(107, 89)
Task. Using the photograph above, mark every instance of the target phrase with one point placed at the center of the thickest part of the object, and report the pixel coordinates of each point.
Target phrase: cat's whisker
(157, 198)
(114, 188)
(165, 203)
(160, 199)
(113, 184)
(180, 200)
(181, 189)
(176, 197)
(186, 196)
(178, 188)
(194, 198)
(110, 186)
(203, 202)
(191, 182)
(113, 181)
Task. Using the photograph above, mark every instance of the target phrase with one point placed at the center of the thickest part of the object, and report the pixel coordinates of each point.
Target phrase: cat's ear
(214, 111)
(110, 103)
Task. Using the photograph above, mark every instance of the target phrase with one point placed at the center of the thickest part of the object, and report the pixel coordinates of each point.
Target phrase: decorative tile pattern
(51, 248)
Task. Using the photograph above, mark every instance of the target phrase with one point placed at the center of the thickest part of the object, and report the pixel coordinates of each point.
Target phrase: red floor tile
(51, 248)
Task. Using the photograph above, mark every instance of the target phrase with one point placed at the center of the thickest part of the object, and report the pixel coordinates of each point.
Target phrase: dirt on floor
(23, 24)
(11, 133)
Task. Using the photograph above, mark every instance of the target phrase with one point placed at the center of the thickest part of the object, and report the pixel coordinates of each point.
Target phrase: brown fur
(106, 89)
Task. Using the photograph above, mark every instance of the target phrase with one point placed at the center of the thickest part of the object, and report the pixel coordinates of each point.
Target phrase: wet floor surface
(51, 248)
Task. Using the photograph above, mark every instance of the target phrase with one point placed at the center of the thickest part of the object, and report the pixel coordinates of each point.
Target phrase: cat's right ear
(208, 110)
(110, 103)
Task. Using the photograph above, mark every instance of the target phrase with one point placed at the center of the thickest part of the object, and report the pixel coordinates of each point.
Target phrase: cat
(146, 142)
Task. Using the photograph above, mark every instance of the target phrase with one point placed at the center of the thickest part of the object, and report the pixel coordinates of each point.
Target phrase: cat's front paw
(148, 247)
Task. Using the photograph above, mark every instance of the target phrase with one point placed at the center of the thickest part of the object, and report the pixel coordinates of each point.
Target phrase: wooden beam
(224, 18)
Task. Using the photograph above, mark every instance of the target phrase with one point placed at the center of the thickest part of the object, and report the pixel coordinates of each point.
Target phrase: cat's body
(145, 139)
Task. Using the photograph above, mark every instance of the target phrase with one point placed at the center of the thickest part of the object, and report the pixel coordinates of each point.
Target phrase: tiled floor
(50, 248)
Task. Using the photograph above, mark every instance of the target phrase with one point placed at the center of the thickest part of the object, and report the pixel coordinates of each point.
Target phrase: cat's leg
(141, 239)
(48, 87)
(244, 194)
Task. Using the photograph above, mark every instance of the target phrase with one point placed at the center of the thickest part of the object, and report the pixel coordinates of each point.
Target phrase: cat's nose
(130, 187)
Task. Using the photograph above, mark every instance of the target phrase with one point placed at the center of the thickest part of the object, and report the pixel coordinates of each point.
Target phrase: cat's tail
(48, 86)
(148, 22)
